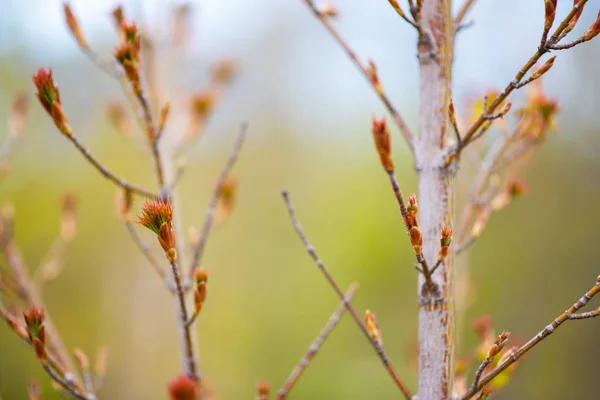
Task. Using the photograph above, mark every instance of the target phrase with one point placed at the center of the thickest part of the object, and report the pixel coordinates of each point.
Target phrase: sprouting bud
(164, 114)
(118, 17)
(413, 207)
(127, 54)
(101, 362)
(446, 237)
(498, 345)
(445, 240)
(482, 326)
(18, 114)
(382, 139)
(157, 216)
(124, 203)
(328, 10)
(480, 222)
(81, 358)
(394, 3)
(550, 13)
(199, 297)
(372, 327)
(544, 68)
(34, 323)
(374, 77)
(183, 388)
(49, 96)
(73, 25)
(516, 188)
(263, 391)
(451, 112)
(202, 104)
(33, 391)
(200, 275)
(68, 227)
(416, 239)
(505, 109)
(223, 72)
(227, 198)
(593, 30)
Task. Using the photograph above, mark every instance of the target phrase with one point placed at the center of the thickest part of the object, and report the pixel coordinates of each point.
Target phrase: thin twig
(374, 342)
(420, 259)
(316, 345)
(152, 137)
(544, 333)
(14, 325)
(464, 9)
(214, 200)
(189, 357)
(398, 119)
(106, 172)
(514, 84)
(64, 384)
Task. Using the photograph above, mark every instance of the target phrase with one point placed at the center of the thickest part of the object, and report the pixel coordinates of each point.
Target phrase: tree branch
(398, 119)
(544, 333)
(316, 345)
(212, 205)
(374, 342)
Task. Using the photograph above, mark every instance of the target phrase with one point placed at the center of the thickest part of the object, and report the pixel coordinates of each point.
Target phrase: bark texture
(436, 308)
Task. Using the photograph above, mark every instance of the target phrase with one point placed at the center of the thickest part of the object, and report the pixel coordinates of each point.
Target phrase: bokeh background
(309, 112)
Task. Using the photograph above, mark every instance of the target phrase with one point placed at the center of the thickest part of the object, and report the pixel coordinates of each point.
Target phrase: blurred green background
(309, 113)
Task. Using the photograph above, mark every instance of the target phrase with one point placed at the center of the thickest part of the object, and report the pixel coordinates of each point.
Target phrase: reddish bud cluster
(157, 216)
(414, 233)
(49, 96)
(383, 143)
(498, 345)
(445, 240)
(127, 54)
(201, 278)
(34, 323)
(183, 388)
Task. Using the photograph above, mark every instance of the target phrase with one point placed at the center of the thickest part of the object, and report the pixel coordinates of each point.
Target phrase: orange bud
(263, 391)
(382, 139)
(74, 25)
(372, 327)
(81, 358)
(593, 30)
(328, 10)
(164, 114)
(101, 363)
(394, 3)
(200, 275)
(374, 77)
(550, 13)
(183, 388)
(451, 112)
(544, 68)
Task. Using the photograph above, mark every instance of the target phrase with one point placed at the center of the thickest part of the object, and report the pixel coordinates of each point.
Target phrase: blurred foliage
(267, 300)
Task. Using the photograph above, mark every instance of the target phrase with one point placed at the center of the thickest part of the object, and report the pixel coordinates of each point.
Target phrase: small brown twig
(460, 16)
(214, 200)
(151, 133)
(514, 84)
(544, 333)
(374, 342)
(189, 357)
(316, 345)
(106, 172)
(403, 211)
(398, 119)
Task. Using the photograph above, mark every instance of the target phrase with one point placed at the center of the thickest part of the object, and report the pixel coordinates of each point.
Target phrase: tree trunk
(436, 308)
